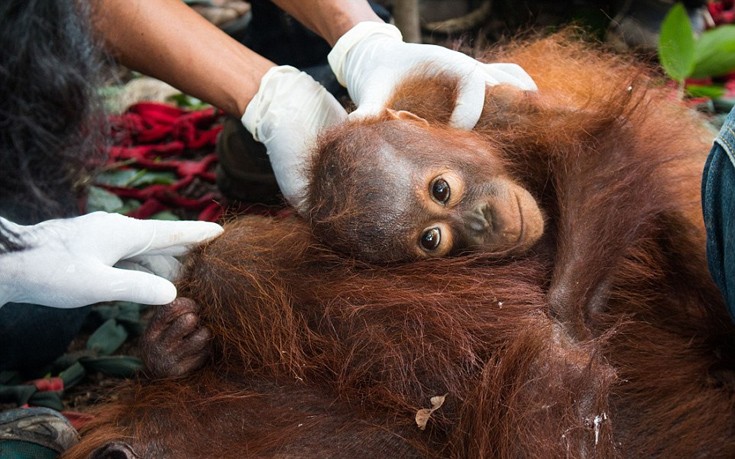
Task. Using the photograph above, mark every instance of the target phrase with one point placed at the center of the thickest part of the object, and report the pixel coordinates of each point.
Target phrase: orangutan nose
(478, 221)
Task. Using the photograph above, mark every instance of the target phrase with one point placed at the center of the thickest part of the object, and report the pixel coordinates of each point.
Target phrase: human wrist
(255, 116)
(248, 83)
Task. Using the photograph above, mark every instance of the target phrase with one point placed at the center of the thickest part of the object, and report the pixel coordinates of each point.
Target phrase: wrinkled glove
(287, 114)
(71, 262)
(371, 59)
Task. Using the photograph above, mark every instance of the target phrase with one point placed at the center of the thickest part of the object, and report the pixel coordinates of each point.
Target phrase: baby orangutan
(405, 185)
(396, 188)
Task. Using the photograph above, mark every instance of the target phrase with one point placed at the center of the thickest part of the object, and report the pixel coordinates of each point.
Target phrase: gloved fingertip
(365, 111)
(134, 286)
(185, 233)
(166, 294)
(470, 102)
(209, 230)
(160, 292)
(525, 82)
(506, 72)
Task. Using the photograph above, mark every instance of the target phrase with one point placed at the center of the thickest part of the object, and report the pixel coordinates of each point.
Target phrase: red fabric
(54, 384)
(161, 137)
(153, 122)
(77, 419)
(723, 12)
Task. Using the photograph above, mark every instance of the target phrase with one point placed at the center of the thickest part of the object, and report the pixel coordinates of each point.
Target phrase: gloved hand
(371, 59)
(287, 114)
(70, 262)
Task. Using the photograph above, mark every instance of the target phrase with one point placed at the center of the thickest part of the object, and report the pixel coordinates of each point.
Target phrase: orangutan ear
(405, 116)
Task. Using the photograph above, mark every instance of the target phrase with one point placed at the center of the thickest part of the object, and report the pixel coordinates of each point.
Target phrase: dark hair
(50, 117)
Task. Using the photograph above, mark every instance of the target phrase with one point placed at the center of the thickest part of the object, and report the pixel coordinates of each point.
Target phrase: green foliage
(119, 366)
(165, 215)
(715, 52)
(711, 92)
(682, 55)
(101, 199)
(186, 101)
(676, 44)
(107, 338)
(135, 178)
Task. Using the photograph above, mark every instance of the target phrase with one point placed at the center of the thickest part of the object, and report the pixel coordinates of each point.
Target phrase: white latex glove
(70, 262)
(371, 59)
(287, 114)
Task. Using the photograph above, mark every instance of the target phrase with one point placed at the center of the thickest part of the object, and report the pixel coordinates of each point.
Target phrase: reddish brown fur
(609, 340)
(353, 205)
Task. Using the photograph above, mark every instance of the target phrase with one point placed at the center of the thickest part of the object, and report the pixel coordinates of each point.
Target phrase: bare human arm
(168, 40)
(330, 19)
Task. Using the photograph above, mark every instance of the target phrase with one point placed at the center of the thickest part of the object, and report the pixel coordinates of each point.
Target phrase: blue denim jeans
(718, 203)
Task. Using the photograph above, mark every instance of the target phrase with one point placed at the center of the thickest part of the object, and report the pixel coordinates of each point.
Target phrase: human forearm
(168, 40)
(330, 19)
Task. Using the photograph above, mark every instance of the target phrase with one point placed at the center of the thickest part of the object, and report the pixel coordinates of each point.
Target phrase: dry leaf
(437, 401)
(423, 415)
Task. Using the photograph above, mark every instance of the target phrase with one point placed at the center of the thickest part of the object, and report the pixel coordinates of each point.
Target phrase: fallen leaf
(423, 415)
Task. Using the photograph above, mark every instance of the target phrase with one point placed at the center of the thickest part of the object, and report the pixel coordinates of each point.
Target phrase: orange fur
(607, 340)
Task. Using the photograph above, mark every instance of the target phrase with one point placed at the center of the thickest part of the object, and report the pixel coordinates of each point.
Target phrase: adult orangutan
(601, 334)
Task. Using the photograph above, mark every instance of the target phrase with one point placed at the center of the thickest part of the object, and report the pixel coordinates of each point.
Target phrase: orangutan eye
(440, 190)
(431, 239)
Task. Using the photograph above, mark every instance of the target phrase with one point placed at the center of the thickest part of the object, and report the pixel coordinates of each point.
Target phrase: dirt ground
(97, 387)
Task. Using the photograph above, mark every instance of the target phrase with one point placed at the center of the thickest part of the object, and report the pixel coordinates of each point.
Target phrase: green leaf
(72, 375)
(165, 215)
(20, 393)
(135, 178)
(712, 92)
(186, 101)
(154, 178)
(676, 44)
(128, 206)
(107, 338)
(47, 399)
(118, 177)
(715, 52)
(120, 366)
(101, 199)
(122, 311)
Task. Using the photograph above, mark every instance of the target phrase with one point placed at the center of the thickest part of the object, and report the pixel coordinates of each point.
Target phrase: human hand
(371, 59)
(287, 114)
(74, 262)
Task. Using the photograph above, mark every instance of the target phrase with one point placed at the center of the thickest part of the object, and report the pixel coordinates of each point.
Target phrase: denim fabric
(718, 203)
